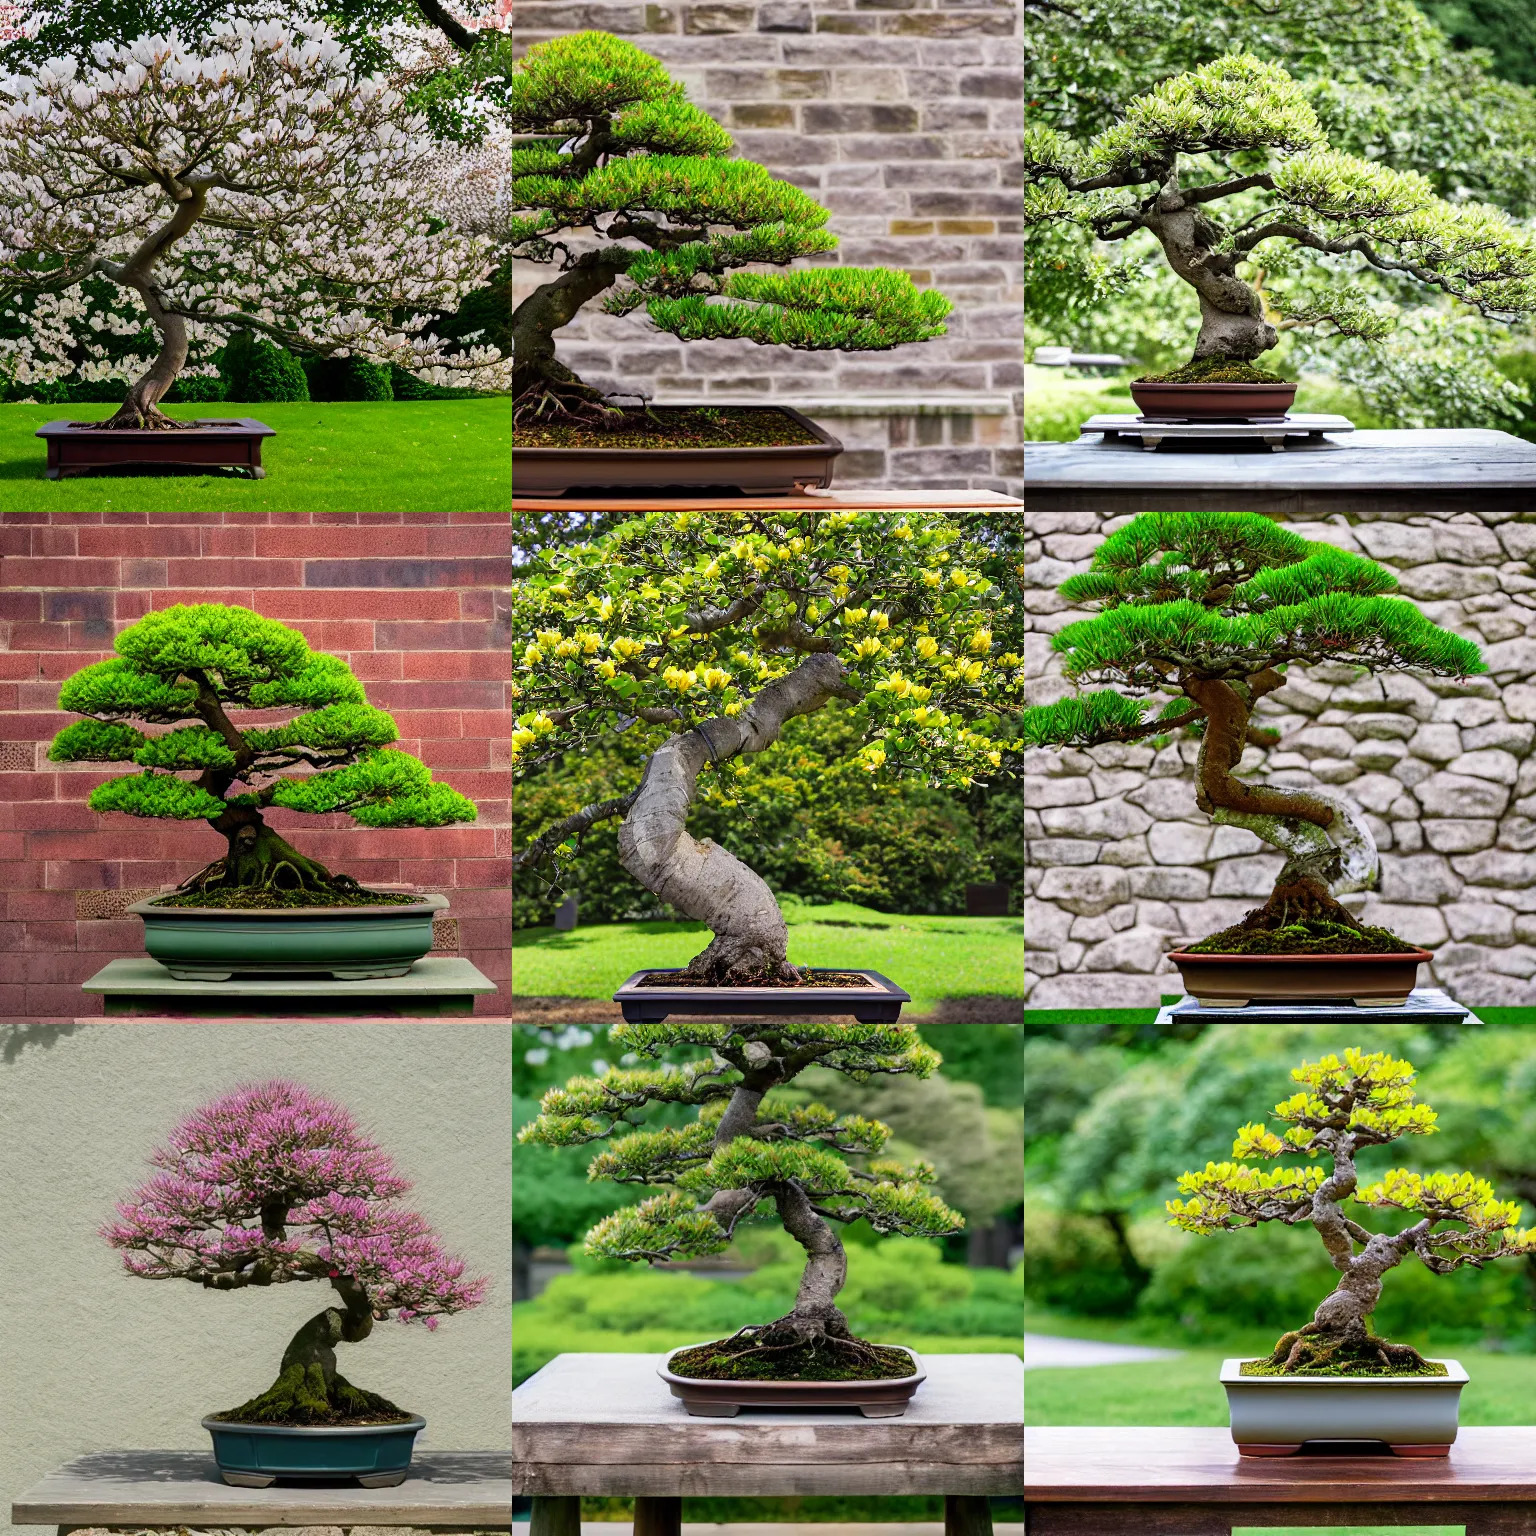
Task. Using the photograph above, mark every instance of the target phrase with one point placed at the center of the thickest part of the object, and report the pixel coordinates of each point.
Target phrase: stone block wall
(416, 604)
(902, 117)
(1122, 864)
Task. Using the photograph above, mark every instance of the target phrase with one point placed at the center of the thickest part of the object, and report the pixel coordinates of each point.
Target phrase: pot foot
(373, 974)
(1421, 1450)
(712, 1410)
(1222, 1002)
(882, 1410)
(1269, 1450)
(247, 1479)
(1381, 1002)
(182, 974)
(380, 1479)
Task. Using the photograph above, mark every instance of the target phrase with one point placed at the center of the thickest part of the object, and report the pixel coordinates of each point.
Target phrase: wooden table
(445, 1490)
(1192, 1482)
(847, 500)
(606, 1424)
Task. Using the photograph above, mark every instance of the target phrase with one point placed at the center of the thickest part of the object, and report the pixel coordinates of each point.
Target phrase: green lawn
(333, 456)
(932, 957)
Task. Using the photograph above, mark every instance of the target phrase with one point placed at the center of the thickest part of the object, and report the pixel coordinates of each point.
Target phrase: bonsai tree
(1240, 133)
(257, 185)
(197, 663)
(1199, 615)
(1367, 1100)
(717, 627)
(271, 1184)
(622, 155)
(749, 1145)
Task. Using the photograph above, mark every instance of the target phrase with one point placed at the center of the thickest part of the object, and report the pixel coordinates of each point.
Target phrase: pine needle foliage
(200, 662)
(1364, 1099)
(621, 153)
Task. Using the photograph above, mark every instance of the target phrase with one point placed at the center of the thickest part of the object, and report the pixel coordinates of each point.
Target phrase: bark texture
(701, 879)
(543, 388)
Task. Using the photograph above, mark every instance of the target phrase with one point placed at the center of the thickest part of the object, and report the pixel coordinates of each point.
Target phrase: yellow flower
(604, 669)
(982, 640)
(960, 578)
(854, 615)
(881, 621)
(588, 641)
(920, 716)
(532, 655)
(679, 680)
(868, 646)
(734, 708)
(898, 685)
(548, 636)
(716, 677)
(927, 647)
(605, 608)
(922, 695)
(568, 648)
(901, 531)
(873, 758)
(624, 647)
(995, 758)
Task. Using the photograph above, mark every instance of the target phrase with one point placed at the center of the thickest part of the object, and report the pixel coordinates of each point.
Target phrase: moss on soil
(674, 427)
(1309, 937)
(714, 1362)
(1215, 370)
(254, 898)
(1344, 1367)
(808, 978)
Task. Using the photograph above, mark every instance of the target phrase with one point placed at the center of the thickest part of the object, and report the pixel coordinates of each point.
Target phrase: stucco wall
(902, 117)
(93, 1359)
(1122, 863)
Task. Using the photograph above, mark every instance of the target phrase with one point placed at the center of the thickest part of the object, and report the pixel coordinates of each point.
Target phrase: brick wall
(903, 118)
(417, 605)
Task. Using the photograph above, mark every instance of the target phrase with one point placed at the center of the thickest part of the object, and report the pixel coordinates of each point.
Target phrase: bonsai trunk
(141, 410)
(700, 879)
(309, 1390)
(543, 388)
(258, 858)
(1232, 322)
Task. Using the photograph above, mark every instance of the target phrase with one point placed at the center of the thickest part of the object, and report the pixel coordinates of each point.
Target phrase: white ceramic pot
(1275, 1415)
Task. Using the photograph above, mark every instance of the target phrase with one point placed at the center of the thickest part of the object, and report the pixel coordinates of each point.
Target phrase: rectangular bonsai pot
(704, 1398)
(1277, 1415)
(232, 441)
(1233, 981)
(879, 1003)
(775, 470)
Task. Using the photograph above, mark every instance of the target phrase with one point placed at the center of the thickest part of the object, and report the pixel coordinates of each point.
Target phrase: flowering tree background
(1340, 1108)
(255, 183)
(750, 1144)
(715, 628)
(195, 663)
(273, 1184)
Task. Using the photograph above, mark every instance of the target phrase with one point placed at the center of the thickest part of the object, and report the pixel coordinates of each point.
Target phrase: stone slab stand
(1122, 866)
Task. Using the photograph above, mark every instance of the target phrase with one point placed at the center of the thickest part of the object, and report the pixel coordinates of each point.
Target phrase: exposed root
(135, 418)
(568, 402)
(735, 962)
(305, 1394)
(1309, 1351)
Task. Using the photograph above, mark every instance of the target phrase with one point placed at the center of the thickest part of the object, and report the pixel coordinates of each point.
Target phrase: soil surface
(1352, 1368)
(714, 1362)
(1215, 370)
(675, 427)
(808, 978)
(1301, 939)
(379, 1420)
(253, 898)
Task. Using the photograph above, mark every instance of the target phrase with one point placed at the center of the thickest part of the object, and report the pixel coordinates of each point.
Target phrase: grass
(932, 957)
(335, 456)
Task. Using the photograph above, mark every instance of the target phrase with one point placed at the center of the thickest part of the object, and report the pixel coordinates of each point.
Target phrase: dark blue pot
(256, 1455)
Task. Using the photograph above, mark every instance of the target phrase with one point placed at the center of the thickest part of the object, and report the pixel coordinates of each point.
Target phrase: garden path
(1044, 1351)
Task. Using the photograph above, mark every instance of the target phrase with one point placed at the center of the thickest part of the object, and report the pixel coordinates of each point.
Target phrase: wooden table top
(1152, 1466)
(607, 1424)
(183, 1488)
(852, 500)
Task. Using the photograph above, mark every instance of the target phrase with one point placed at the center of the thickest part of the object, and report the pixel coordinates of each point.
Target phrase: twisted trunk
(701, 879)
(258, 858)
(1232, 322)
(543, 388)
(309, 1390)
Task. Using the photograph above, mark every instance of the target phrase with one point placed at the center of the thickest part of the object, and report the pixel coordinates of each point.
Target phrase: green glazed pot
(256, 1455)
(349, 943)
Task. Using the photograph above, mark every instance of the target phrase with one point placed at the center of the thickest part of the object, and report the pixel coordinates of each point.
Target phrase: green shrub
(1071, 1264)
(347, 378)
(253, 369)
(406, 386)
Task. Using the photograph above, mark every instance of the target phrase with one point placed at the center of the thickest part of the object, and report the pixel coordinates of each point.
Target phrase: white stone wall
(902, 118)
(1122, 864)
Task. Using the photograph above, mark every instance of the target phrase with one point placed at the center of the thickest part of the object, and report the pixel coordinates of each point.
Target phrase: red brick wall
(418, 606)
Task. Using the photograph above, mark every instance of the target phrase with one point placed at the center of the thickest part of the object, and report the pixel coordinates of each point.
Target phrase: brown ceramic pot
(725, 1399)
(773, 470)
(1234, 981)
(1213, 402)
(878, 1002)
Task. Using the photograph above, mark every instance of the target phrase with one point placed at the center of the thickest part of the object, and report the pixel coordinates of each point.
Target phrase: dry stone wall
(1122, 864)
(902, 117)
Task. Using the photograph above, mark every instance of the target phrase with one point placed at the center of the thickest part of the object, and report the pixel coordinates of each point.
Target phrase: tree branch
(574, 825)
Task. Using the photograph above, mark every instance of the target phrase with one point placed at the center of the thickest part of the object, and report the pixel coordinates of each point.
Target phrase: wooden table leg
(555, 1516)
(658, 1517)
(965, 1514)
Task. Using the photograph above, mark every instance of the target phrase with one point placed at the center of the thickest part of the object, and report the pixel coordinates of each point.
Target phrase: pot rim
(418, 908)
(317, 1431)
(918, 1376)
(1456, 1376)
(1184, 957)
(1214, 384)
(824, 440)
(880, 986)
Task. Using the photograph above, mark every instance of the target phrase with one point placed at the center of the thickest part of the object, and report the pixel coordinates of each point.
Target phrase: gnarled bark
(543, 388)
(701, 879)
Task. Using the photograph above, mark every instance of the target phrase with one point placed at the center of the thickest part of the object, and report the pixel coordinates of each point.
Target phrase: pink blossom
(273, 1183)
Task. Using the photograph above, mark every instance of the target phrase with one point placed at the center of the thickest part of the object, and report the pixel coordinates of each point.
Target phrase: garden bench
(603, 1424)
(1192, 1482)
(445, 1490)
